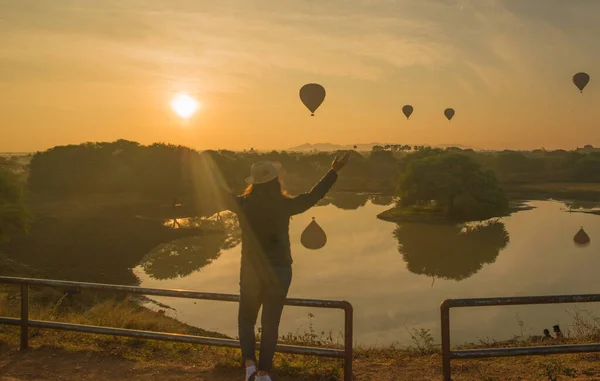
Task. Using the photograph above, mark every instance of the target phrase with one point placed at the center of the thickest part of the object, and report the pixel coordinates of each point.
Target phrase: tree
(587, 169)
(455, 183)
(11, 164)
(14, 213)
(383, 168)
(510, 164)
(182, 257)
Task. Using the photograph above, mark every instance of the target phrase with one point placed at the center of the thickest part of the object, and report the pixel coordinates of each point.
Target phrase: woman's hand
(340, 162)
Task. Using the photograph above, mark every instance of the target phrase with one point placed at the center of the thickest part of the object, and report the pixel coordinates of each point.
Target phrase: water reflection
(183, 256)
(450, 251)
(362, 264)
(353, 201)
(324, 201)
(381, 200)
(585, 205)
(349, 201)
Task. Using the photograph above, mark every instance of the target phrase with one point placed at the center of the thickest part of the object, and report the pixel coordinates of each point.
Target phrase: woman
(264, 211)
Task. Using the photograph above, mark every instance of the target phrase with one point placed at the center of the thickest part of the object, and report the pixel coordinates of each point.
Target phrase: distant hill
(329, 147)
(9, 154)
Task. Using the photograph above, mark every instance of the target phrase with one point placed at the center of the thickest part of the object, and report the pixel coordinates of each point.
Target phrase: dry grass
(52, 305)
(67, 356)
(96, 357)
(58, 355)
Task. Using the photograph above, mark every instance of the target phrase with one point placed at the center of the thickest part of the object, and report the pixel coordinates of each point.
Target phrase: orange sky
(78, 70)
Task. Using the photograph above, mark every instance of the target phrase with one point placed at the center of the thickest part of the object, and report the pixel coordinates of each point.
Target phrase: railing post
(348, 341)
(24, 316)
(445, 321)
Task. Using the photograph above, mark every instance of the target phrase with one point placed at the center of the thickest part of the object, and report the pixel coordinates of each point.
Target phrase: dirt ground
(55, 364)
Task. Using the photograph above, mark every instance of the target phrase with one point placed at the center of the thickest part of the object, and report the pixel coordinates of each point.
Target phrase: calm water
(396, 276)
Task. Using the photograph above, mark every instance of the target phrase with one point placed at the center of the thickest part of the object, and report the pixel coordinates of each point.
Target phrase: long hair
(273, 188)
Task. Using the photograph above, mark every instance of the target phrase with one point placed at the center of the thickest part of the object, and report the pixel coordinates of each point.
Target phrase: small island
(438, 186)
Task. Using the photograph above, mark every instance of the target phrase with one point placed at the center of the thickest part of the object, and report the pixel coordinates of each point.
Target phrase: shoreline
(518, 195)
(398, 215)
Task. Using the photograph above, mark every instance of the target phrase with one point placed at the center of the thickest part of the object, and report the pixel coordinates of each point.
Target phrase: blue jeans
(268, 287)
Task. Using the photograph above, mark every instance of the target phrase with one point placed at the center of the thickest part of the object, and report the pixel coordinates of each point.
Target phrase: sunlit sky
(82, 70)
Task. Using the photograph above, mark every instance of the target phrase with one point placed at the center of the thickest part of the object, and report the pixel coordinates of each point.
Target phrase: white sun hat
(263, 172)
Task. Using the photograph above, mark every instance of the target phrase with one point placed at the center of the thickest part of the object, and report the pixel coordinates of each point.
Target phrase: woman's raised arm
(305, 201)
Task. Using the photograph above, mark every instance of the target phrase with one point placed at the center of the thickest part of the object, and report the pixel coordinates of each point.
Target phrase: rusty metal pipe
(24, 322)
(24, 317)
(525, 351)
(520, 300)
(348, 341)
(448, 355)
(445, 320)
(149, 335)
(333, 304)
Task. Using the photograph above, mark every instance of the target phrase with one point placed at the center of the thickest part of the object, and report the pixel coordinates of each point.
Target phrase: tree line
(165, 170)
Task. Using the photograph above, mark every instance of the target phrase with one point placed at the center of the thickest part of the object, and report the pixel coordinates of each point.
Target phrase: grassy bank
(93, 309)
(560, 191)
(58, 355)
(516, 192)
(412, 215)
(431, 215)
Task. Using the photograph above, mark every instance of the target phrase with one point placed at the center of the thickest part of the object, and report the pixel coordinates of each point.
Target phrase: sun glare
(184, 105)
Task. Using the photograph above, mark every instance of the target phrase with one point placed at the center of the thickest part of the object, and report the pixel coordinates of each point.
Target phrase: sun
(184, 105)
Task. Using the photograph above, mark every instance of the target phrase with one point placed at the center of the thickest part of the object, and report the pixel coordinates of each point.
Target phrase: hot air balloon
(449, 112)
(313, 237)
(312, 95)
(355, 147)
(581, 80)
(581, 238)
(407, 110)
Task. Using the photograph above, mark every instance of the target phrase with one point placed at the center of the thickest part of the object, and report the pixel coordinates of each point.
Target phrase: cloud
(237, 46)
(503, 46)
(229, 46)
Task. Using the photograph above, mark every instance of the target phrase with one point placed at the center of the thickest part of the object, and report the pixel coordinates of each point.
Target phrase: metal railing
(448, 355)
(24, 322)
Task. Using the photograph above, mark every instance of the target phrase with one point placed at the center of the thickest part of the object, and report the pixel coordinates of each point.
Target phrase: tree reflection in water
(183, 256)
(349, 200)
(450, 251)
(353, 201)
(382, 200)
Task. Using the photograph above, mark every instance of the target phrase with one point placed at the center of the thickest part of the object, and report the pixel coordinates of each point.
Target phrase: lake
(396, 275)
